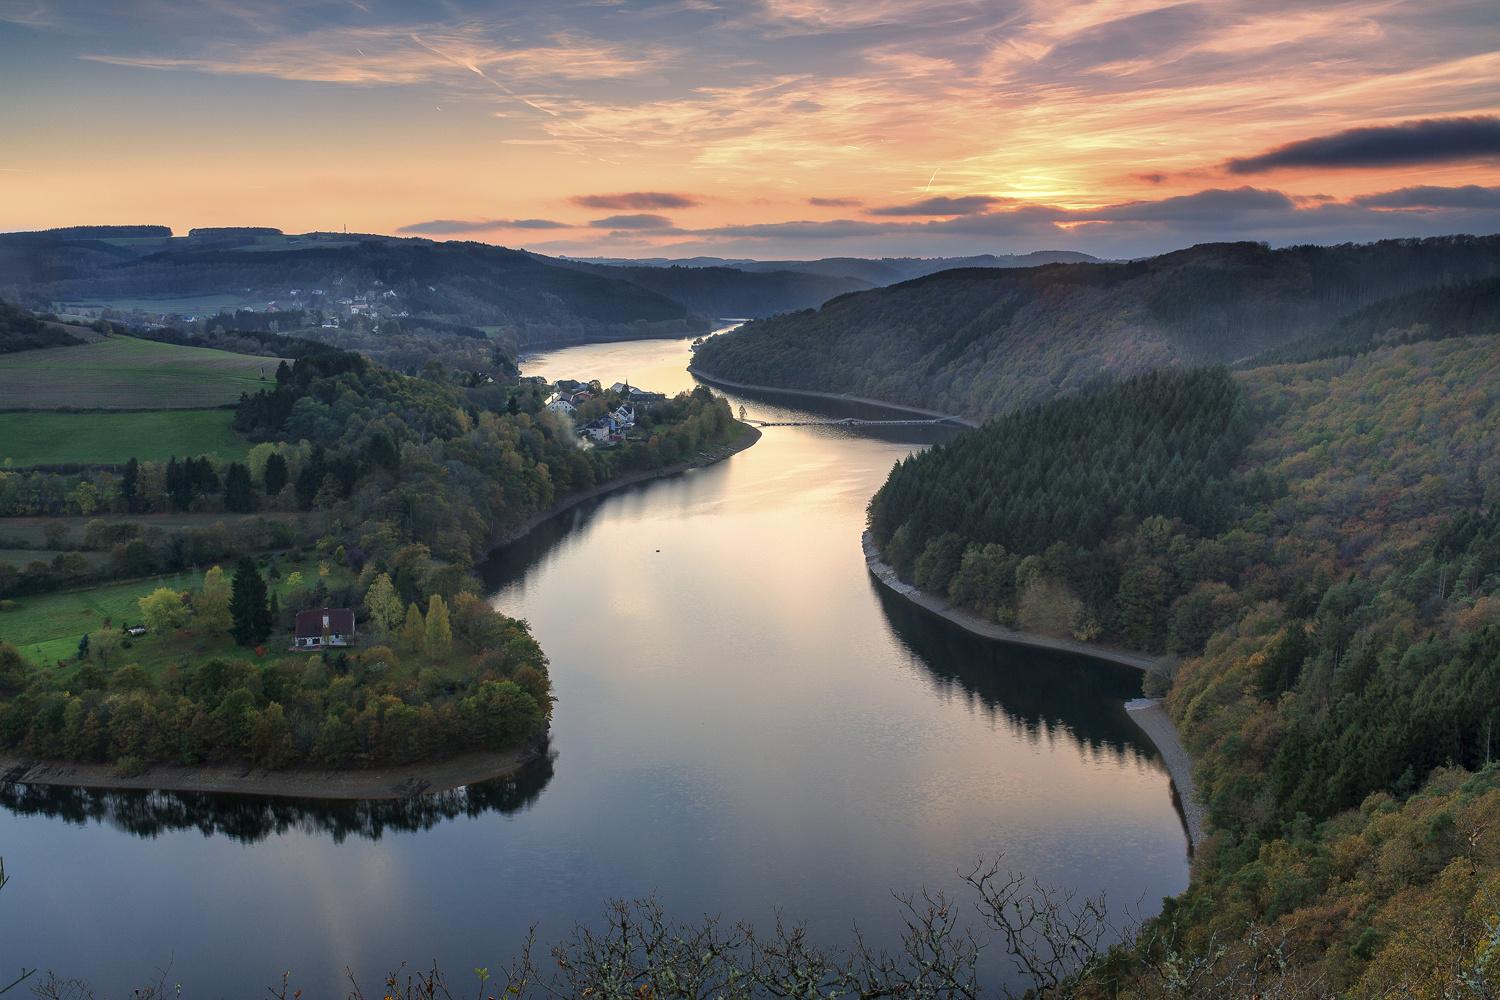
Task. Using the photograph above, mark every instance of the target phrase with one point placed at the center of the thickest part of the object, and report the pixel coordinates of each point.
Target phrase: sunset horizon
(781, 129)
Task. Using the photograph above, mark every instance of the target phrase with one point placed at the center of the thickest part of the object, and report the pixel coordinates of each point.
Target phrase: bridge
(855, 422)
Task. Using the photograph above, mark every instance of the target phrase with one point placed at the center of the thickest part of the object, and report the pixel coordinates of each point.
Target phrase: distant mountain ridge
(871, 270)
(526, 298)
(978, 342)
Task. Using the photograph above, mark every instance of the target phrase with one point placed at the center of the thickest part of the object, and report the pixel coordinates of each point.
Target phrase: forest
(1316, 546)
(978, 343)
(398, 485)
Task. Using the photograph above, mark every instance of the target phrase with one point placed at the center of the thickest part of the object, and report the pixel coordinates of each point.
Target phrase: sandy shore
(748, 437)
(396, 782)
(725, 383)
(1146, 713)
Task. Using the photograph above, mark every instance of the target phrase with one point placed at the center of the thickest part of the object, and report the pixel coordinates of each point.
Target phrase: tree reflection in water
(250, 819)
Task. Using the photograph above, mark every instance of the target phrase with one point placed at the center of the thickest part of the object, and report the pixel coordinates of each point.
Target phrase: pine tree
(239, 494)
(129, 484)
(247, 605)
(439, 632)
(275, 475)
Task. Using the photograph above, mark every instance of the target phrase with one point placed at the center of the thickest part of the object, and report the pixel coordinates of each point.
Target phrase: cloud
(835, 202)
(642, 221)
(636, 199)
(966, 205)
(1215, 205)
(453, 227)
(1428, 140)
(1424, 196)
(462, 53)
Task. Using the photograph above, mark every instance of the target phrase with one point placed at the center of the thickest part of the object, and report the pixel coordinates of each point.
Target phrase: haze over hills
(871, 270)
(982, 342)
(526, 298)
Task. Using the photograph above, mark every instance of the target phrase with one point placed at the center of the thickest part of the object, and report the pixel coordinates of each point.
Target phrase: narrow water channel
(745, 724)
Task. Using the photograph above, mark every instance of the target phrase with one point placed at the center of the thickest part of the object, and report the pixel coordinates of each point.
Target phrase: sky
(759, 128)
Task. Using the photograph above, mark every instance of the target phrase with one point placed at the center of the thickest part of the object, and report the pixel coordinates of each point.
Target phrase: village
(602, 417)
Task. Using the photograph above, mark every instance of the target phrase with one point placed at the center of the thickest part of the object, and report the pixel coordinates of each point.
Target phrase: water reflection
(1038, 693)
(250, 819)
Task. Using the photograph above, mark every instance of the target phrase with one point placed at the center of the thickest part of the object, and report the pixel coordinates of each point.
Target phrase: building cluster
(570, 396)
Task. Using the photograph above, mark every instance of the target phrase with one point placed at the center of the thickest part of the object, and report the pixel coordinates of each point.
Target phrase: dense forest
(732, 292)
(1318, 547)
(983, 342)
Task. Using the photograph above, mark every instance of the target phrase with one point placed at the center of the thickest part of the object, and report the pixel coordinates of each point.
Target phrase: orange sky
(780, 128)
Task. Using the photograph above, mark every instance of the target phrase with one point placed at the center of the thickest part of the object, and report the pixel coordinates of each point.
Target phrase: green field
(114, 438)
(124, 373)
(46, 628)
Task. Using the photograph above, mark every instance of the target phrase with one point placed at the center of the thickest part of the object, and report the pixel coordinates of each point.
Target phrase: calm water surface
(745, 723)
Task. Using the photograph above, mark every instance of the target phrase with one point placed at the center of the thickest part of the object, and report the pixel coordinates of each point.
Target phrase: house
(560, 405)
(337, 624)
(620, 388)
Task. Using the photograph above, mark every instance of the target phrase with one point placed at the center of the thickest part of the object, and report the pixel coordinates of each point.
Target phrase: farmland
(110, 438)
(125, 373)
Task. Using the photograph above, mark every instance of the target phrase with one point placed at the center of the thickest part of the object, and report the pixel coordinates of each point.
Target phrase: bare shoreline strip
(1147, 713)
(396, 782)
(725, 383)
(406, 781)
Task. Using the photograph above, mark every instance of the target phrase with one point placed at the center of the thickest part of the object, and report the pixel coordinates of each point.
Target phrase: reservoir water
(746, 724)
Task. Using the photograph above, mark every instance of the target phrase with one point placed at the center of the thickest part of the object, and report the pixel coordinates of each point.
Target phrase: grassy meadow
(125, 373)
(46, 627)
(57, 438)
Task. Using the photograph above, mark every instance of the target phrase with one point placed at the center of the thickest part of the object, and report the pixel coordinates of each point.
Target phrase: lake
(746, 723)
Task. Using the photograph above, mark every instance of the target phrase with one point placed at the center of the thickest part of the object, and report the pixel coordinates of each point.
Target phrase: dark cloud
(636, 199)
(967, 205)
(1468, 196)
(1429, 140)
(1150, 178)
(454, 227)
(642, 221)
(1216, 205)
(835, 202)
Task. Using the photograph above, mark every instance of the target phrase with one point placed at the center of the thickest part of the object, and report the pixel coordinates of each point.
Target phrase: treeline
(376, 705)
(20, 330)
(983, 342)
(1008, 519)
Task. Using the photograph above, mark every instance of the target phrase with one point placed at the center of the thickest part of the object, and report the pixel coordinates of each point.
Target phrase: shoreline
(725, 383)
(405, 781)
(401, 781)
(747, 438)
(1147, 713)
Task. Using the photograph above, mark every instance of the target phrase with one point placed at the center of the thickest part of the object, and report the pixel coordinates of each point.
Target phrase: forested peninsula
(363, 489)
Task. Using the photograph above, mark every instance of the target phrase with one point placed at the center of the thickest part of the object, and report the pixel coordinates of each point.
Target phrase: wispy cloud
(454, 227)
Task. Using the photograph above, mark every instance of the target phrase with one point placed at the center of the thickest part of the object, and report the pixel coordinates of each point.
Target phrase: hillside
(983, 342)
(1320, 544)
(20, 330)
(526, 297)
(734, 292)
(870, 271)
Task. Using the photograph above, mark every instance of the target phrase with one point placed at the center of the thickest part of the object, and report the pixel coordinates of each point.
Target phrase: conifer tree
(439, 632)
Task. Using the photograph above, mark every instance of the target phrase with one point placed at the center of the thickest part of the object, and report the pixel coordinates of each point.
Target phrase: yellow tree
(414, 632)
(162, 609)
(439, 632)
(211, 607)
(383, 604)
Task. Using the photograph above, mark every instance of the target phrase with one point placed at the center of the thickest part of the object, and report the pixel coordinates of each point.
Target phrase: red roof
(336, 621)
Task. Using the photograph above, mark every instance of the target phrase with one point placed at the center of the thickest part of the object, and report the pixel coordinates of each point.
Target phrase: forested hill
(1317, 547)
(470, 283)
(723, 292)
(983, 342)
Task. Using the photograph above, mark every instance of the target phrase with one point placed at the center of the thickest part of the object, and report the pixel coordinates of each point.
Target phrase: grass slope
(124, 373)
(52, 438)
